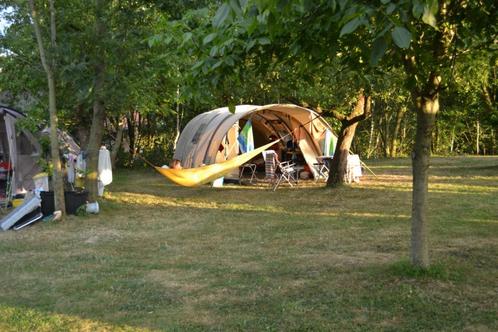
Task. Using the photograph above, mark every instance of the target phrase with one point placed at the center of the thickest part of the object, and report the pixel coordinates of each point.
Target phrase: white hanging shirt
(105, 167)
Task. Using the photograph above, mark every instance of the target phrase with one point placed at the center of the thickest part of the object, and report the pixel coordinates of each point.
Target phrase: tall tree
(98, 107)
(427, 37)
(48, 62)
(423, 36)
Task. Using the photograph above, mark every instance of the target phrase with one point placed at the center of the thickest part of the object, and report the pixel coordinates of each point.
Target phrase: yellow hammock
(191, 177)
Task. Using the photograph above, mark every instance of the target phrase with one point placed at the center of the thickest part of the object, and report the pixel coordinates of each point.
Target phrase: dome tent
(20, 150)
(211, 137)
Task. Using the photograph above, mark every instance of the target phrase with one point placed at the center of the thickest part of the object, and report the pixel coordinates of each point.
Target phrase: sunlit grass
(162, 257)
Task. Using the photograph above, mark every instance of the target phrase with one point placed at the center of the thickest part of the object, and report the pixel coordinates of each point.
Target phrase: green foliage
(165, 59)
(401, 37)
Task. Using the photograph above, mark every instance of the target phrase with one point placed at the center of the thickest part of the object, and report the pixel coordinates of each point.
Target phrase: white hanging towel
(71, 167)
(105, 167)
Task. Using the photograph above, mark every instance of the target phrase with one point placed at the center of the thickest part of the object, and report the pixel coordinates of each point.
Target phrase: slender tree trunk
(452, 142)
(82, 127)
(387, 134)
(377, 143)
(131, 136)
(178, 118)
(48, 66)
(370, 138)
(96, 133)
(117, 142)
(427, 107)
(381, 127)
(478, 134)
(98, 118)
(493, 142)
(338, 167)
(395, 135)
(403, 136)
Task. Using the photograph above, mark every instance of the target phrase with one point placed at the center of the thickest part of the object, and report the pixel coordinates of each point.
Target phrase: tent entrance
(269, 125)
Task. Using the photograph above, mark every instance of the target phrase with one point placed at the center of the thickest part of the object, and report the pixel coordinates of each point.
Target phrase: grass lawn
(162, 257)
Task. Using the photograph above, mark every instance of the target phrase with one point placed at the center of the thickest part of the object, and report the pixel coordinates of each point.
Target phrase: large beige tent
(211, 137)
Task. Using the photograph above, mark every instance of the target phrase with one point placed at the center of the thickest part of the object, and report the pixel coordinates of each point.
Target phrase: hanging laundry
(71, 167)
(329, 143)
(105, 170)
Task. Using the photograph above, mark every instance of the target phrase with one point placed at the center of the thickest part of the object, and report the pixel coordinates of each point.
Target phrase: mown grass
(161, 257)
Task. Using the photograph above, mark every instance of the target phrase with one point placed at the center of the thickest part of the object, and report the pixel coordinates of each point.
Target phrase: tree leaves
(209, 38)
(430, 11)
(401, 37)
(379, 47)
(221, 15)
(264, 41)
(417, 9)
(351, 26)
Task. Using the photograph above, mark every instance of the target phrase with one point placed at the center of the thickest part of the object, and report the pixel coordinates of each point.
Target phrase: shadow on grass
(165, 257)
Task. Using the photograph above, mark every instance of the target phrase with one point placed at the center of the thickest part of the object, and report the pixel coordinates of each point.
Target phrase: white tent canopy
(206, 135)
(20, 149)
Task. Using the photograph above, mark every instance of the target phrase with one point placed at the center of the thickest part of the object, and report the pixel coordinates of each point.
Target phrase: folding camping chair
(321, 168)
(251, 168)
(277, 172)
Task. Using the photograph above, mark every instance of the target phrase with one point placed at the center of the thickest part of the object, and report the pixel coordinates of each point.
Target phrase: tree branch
(367, 111)
(337, 115)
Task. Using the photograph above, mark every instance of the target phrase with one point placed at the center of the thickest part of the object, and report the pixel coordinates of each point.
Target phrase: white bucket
(92, 207)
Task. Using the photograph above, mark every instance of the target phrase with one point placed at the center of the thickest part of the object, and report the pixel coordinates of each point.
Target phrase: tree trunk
(478, 134)
(98, 118)
(493, 142)
(452, 142)
(82, 127)
(387, 134)
(394, 141)
(48, 66)
(58, 176)
(178, 118)
(117, 142)
(370, 138)
(427, 107)
(96, 133)
(338, 167)
(403, 136)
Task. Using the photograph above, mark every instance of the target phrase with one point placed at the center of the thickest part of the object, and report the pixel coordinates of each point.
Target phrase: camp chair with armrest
(285, 172)
(277, 172)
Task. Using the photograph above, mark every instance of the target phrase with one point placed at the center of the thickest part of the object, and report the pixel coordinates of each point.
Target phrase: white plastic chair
(278, 172)
(353, 172)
